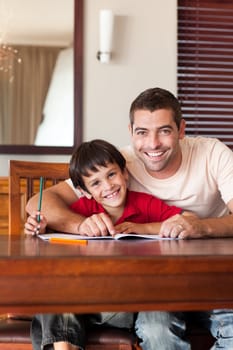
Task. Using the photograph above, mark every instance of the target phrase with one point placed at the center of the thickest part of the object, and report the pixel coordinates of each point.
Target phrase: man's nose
(154, 140)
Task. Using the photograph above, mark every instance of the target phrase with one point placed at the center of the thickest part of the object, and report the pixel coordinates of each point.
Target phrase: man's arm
(55, 207)
(218, 227)
(192, 227)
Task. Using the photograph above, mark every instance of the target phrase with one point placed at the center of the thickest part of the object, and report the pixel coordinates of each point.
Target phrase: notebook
(68, 236)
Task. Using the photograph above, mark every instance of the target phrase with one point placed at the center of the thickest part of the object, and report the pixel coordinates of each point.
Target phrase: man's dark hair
(154, 99)
(91, 155)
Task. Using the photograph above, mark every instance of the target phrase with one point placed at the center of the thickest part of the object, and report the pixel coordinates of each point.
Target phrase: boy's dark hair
(91, 155)
(153, 99)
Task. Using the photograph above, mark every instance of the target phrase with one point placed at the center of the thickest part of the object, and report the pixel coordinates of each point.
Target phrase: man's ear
(182, 129)
(85, 193)
(130, 128)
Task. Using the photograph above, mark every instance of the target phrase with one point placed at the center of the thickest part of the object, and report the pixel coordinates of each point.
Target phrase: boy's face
(108, 186)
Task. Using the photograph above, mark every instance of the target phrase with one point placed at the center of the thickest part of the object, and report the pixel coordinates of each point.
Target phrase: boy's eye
(96, 183)
(112, 174)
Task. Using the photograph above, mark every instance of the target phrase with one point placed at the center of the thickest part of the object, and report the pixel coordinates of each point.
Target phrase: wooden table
(130, 275)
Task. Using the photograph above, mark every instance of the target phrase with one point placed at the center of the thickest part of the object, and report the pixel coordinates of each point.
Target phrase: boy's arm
(127, 227)
(55, 207)
(152, 228)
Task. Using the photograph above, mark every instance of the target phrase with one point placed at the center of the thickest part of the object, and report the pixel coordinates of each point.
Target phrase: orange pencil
(67, 241)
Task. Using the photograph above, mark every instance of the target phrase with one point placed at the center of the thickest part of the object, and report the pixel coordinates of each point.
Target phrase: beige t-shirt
(203, 184)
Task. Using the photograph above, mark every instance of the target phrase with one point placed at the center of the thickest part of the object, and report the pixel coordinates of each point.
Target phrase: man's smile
(155, 155)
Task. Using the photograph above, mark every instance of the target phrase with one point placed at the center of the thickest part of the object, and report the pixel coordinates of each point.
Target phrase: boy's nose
(108, 184)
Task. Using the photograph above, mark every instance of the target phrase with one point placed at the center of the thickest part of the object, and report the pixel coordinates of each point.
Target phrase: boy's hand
(32, 226)
(97, 225)
(131, 227)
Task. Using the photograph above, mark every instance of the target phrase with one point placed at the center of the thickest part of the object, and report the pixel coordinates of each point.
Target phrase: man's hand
(180, 226)
(97, 225)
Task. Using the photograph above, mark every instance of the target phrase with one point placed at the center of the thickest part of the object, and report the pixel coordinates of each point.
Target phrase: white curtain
(23, 90)
(57, 128)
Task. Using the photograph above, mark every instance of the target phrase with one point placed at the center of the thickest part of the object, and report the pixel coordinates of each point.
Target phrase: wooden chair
(15, 330)
(24, 183)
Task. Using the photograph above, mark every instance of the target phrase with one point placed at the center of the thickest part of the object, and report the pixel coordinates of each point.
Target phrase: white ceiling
(43, 22)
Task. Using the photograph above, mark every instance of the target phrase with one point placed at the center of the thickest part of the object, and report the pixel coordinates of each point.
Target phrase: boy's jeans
(47, 329)
(166, 330)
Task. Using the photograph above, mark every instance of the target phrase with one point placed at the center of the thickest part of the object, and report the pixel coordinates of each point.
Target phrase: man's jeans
(166, 330)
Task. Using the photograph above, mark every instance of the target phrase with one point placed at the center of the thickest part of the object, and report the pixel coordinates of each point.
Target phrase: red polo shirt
(139, 208)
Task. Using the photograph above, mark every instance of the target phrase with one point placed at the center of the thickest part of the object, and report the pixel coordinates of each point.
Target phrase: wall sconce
(106, 31)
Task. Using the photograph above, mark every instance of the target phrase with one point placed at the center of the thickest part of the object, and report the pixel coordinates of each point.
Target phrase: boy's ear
(85, 193)
(126, 175)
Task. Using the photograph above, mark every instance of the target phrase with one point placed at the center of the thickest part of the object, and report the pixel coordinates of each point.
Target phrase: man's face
(155, 138)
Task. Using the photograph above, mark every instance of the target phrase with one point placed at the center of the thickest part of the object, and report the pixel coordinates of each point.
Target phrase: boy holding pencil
(98, 170)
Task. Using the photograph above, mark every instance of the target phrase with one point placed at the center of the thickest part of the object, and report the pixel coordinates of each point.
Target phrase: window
(205, 67)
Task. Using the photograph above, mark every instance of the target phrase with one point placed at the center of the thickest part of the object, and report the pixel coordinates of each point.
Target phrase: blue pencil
(40, 197)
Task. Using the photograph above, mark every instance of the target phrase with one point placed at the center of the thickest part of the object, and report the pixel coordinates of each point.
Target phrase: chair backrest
(24, 179)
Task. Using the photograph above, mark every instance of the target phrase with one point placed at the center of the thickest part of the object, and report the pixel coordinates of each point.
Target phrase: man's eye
(141, 132)
(165, 131)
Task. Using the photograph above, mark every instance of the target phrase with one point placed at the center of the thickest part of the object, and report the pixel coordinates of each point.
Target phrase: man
(195, 174)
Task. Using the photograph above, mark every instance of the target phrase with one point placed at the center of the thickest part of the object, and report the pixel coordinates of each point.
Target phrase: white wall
(144, 49)
(144, 55)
